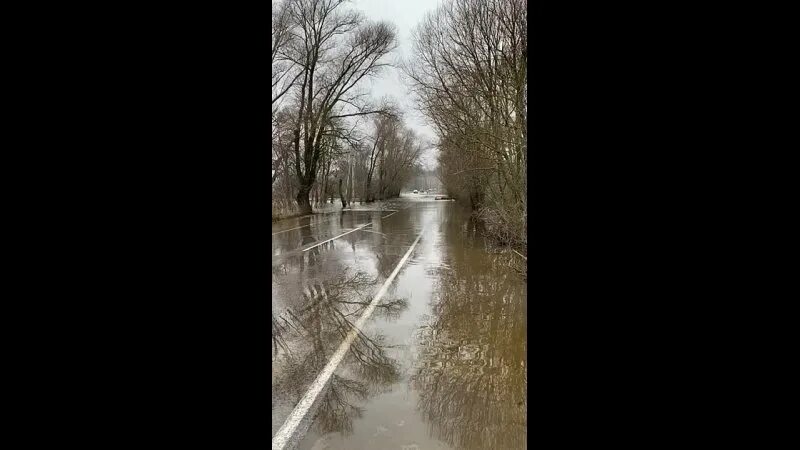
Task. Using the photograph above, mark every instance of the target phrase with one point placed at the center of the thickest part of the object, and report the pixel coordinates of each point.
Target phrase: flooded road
(398, 328)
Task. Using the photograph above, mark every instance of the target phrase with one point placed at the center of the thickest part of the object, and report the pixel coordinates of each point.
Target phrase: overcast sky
(405, 15)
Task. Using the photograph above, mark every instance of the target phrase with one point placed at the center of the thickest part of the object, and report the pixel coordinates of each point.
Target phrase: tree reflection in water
(471, 376)
(304, 338)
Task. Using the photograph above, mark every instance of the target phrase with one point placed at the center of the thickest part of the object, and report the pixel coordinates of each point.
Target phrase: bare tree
(334, 49)
(398, 162)
(469, 78)
(385, 135)
(284, 70)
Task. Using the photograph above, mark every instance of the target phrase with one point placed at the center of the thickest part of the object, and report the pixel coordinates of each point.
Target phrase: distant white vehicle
(415, 191)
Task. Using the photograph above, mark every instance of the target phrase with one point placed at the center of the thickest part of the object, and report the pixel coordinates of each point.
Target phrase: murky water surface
(439, 364)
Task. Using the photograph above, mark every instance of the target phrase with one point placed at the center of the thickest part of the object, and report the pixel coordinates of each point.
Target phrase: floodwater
(440, 362)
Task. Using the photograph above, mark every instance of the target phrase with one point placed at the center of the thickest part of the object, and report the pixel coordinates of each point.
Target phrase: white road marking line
(303, 226)
(388, 215)
(336, 237)
(335, 218)
(290, 229)
(368, 210)
(376, 232)
(287, 430)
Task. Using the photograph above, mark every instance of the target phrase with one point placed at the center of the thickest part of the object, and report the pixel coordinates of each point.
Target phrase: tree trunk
(324, 188)
(341, 194)
(350, 182)
(368, 190)
(381, 186)
(302, 200)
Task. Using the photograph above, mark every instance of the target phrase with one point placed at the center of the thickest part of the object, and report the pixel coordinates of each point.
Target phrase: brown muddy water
(440, 362)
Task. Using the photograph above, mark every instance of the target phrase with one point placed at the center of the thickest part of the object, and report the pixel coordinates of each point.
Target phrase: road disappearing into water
(396, 327)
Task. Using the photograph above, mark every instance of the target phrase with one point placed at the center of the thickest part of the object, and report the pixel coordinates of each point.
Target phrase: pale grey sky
(405, 15)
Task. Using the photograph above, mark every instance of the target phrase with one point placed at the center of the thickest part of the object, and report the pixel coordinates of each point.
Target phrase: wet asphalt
(441, 361)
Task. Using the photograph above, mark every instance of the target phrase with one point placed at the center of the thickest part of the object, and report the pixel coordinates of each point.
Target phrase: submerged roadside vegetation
(468, 74)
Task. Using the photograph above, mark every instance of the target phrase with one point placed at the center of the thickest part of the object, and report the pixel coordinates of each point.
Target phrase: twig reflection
(305, 337)
(471, 376)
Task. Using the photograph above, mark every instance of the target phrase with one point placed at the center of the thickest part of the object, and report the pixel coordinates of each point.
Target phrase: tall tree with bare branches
(333, 48)
(469, 77)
